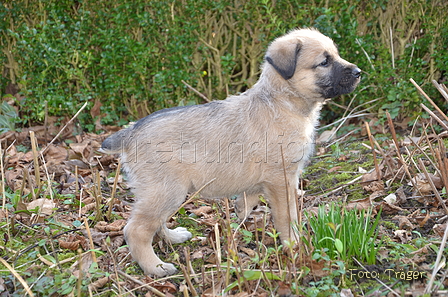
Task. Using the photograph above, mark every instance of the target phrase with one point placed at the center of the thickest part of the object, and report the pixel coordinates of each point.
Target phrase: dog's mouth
(341, 81)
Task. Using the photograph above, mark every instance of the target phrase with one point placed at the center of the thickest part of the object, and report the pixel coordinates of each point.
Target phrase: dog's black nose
(356, 72)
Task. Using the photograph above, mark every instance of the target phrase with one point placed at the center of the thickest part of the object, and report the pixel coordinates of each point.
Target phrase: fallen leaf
(359, 204)
(284, 289)
(391, 198)
(73, 245)
(45, 206)
(439, 229)
(203, 210)
(55, 155)
(423, 185)
(107, 227)
(403, 235)
(422, 223)
(388, 208)
(372, 176)
(335, 168)
(404, 223)
(325, 136)
(99, 283)
(374, 186)
(346, 293)
(85, 262)
(250, 252)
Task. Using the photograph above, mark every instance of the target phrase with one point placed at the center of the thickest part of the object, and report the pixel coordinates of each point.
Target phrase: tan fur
(237, 141)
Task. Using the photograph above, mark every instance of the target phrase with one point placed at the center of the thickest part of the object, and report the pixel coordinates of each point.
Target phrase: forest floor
(64, 206)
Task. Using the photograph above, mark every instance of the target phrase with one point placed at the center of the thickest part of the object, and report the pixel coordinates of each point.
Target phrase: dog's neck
(288, 101)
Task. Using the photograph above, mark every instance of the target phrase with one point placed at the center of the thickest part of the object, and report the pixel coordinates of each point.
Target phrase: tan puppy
(246, 143)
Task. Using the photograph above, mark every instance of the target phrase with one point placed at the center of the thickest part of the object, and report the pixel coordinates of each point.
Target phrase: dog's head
(309, 63)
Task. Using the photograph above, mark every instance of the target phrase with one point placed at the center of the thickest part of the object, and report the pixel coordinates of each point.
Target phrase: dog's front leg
(284, 205)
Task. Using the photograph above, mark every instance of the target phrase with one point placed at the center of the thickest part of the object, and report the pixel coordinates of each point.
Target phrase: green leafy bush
(8, 117)
(131, 57)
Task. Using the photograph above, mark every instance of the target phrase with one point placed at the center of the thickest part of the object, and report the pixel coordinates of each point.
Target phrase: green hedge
(133, 56)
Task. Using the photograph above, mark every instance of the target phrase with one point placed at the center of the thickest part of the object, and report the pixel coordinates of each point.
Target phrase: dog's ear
(283, 57)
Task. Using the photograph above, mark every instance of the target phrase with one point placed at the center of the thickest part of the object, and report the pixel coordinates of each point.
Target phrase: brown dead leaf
(107, 227)
(88, 207)
(374, 186)
(79, 148)
(401, 195)
(404, 223)
(210, 292)
(359, 204)
(203, 210)
(2, 214)
(372, 176)
(164, 287)
(99, 283)
(14, 178)
(250, 252)
(55, 155)
(45, 206)
(439, 229)
(325, 136)
(403, 235)
(241, 294)
(346, 293)
(335, 168)
(85, 262)
(317, 269)
(284, 289)
(422, 223)
(73, 242)
(388, 208)
(95, 112)
(74, 245)
(97, 237)
(423, 185)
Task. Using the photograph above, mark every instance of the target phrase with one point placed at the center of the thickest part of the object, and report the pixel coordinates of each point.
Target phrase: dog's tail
(114, 144)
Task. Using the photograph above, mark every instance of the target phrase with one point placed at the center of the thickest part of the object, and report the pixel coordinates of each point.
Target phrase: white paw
(178, 235)
(162, 269)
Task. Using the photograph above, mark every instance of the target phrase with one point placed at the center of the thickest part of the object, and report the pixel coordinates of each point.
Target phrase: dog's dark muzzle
(356, 72)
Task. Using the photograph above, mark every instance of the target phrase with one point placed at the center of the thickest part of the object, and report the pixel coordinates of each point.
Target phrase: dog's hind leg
(178, 235)
(148, 217)
(245, 203)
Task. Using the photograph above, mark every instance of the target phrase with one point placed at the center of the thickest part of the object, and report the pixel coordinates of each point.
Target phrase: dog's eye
(325, 63)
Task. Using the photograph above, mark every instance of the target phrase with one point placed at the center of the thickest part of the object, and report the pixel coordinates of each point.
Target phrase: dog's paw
(163, 269)
(178, 235)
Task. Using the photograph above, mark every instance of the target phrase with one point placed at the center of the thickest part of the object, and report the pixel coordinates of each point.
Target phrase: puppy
(254, 143)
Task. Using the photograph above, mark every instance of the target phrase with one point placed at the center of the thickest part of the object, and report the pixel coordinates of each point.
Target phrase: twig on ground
(436, 265)
(375, 160)
(19, 278)
(429, 99)
(399, 155)
(89, 235)
(3, 178)
(114, 190)
(341, 187)
(441, 89)
(433, 187)
(434, 116)
(139, 282)
(63, 128)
